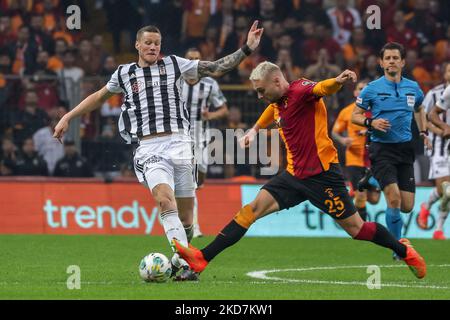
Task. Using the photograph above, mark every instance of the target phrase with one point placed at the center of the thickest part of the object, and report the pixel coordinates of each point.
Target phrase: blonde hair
(262, 70)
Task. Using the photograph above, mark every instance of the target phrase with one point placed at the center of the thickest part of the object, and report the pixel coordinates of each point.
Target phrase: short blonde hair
(262, 70)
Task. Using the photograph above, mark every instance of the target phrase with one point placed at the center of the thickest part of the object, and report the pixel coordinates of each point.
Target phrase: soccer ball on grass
(155, 267)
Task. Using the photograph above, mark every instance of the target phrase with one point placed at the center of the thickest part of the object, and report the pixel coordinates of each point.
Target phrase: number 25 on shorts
(335, 205)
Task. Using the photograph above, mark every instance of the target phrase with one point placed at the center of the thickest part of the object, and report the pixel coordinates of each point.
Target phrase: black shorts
(354, 174)
(393, 163)
(326, 191)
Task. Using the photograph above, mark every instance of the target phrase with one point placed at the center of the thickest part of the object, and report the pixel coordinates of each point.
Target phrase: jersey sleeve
(267, 117)
(341, 123)
(113, 84)
(419, 98)
(216, 98)
(365, 98)
(428, 101)
(444, 100)
(188, 68)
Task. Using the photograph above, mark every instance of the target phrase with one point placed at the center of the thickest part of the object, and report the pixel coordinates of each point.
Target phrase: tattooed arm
(219, 67)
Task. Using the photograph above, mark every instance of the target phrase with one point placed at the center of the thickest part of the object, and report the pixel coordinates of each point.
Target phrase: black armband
(368, 122)
(246, 49)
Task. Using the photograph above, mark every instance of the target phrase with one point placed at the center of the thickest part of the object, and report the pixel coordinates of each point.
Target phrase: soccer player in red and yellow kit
(356, 155)
(312, 172)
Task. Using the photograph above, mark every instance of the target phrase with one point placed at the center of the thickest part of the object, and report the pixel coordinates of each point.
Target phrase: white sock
(173, 227)
(195, 210)
(441, 220)
(434, 196)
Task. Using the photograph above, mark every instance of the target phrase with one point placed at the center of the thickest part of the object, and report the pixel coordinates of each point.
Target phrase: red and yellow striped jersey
(301, 117)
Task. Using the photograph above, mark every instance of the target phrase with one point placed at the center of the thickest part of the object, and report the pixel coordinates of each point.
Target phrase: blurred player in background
(439, 116)
(392, 100)
(356, 157)
(200, 96)
(313, 172)
(153, 115)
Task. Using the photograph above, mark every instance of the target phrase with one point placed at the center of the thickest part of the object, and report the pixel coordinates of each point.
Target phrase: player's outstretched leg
(263, 204)
(378, 234)
(232, 233)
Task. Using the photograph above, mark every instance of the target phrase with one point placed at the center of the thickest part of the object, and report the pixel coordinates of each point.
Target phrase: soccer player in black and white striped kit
(204, 102)
(154, 115)
(438, 111)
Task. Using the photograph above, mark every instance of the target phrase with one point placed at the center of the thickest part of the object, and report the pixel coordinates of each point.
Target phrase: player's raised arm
(266, 118)
(90, 103)
(220, 67)
(331, 86)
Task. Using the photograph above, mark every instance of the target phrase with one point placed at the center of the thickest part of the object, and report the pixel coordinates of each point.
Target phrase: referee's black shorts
(393, 163)
(326, 191)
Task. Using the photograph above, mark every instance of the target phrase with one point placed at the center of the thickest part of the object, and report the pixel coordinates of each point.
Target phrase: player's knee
(406, 208)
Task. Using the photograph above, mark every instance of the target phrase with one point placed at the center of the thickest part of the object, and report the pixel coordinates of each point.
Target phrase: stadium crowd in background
(41, 61)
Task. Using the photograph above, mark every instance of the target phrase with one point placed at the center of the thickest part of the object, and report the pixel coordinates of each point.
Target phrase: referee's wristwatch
(368, 123)
(423, 134)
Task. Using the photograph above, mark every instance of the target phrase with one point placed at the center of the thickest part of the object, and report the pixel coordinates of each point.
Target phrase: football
(155, 267)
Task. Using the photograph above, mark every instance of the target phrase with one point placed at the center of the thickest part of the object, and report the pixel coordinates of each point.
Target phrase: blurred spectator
(356, 51)
(209, 47)
(29, 120)
(442, 48)
(86, 59)
(8, 157)
(29, 162)
(122, 16)
(44, 82)
(24, 51)
(223, 21)
(429, 63)
(48, 147)
(43, 39)
(371, 69)
(284, 61)
(55, 62)
(110, 107)
(69, 76)
(5, 85)
(343, 19)
(98, 51)
(415, 72)
(234, 120)
(324, 70)
(312, 10)
(127, 170)
(402, 34)
(72, 164)
(196, 14)
(268, 41)
(423, 22)
(6, 34)
(238, 36)
(321, 39)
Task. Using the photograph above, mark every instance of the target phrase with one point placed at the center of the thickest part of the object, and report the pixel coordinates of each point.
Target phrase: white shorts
(201, 157)
(439, 167)
(167, 159)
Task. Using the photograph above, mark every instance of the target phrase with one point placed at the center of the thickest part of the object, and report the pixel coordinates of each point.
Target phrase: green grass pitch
(35, 267)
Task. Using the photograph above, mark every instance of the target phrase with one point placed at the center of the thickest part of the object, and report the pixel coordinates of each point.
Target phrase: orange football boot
(439, 235)
(414, 260)
(192, 255)
(422, 219)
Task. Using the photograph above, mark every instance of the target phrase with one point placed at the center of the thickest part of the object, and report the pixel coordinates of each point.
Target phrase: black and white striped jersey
(431, 99)
(152, 97)
(204, 95)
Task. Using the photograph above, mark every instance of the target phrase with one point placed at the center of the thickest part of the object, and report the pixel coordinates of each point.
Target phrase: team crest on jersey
(411, 101)
(136, 87)
(307, 83)
(162, 69)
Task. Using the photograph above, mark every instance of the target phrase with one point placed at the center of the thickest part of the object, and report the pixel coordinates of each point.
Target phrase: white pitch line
(262, 274)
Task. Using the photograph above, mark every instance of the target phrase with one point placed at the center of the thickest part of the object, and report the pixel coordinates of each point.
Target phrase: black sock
(229, 235)
(384, 238)
(363, 213)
